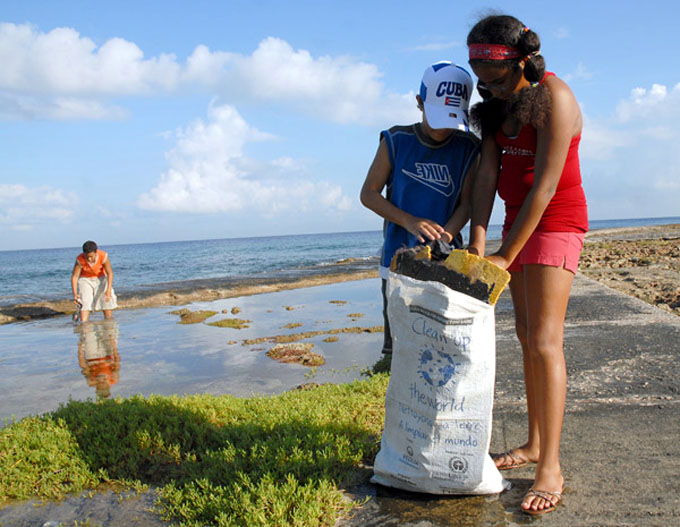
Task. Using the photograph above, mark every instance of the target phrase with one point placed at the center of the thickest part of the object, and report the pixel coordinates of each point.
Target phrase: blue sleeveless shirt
(426, 180)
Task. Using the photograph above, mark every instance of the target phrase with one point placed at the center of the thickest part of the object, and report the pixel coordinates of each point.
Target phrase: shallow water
(44, 363)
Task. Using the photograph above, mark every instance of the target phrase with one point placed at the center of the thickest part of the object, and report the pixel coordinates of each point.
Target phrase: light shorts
(91, 292)
(556, 249)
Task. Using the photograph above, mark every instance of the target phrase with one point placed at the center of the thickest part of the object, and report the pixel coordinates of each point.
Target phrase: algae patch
(280, 339)
(235, 323)
(192, 317)
(298, 352)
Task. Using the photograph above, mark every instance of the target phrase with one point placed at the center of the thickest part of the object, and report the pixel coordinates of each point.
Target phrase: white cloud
(562, 33)
(601, 141)
(580, 74)
(23, 208)
(62, 74)
(208, 173)
(630, 160)
(338, 89)
(656, 104)
(62, 62)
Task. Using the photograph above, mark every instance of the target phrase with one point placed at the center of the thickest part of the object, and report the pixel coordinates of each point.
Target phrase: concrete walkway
(621, 437)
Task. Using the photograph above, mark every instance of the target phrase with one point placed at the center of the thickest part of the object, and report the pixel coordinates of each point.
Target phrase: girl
(531, 127)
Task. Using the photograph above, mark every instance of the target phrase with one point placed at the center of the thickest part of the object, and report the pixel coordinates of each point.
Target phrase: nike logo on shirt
(435, 176)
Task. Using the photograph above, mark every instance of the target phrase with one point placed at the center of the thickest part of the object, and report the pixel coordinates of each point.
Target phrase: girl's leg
(84, 316)
(546, 298)
(108, 313)
(529, 451)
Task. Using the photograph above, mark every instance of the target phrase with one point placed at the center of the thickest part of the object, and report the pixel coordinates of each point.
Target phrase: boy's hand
(423, 229)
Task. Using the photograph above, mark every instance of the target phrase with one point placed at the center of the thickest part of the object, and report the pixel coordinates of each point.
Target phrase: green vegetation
(217, 460)
(235, 323)
(192, 317)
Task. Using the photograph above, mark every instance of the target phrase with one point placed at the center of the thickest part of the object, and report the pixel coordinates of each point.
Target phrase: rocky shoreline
(643, 262)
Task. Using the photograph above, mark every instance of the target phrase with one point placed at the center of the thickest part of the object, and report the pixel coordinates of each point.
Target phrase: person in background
(531, 127)
(92, 282)
(426, 169)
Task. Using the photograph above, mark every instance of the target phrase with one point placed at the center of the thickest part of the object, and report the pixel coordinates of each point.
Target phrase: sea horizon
(494, 231)
(177, 264)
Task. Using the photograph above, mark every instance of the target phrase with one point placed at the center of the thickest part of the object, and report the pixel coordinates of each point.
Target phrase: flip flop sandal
(516, 461)
(554, 498)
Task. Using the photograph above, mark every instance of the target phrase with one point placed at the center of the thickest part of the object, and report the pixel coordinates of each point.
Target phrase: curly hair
(531, 105)
(509, 31)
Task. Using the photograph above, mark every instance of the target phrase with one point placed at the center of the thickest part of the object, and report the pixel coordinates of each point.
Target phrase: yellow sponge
(424, 252)
(478, 268)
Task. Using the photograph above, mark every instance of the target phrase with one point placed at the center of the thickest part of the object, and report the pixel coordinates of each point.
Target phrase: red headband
(493, 52)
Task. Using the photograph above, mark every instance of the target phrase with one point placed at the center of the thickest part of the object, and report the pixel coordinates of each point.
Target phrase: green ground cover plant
(216, 460)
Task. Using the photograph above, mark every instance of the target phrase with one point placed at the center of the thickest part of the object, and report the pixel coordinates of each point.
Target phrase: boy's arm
(461, 214)
(372, 198)
(483, 194)
(109, 278)
(74, 281)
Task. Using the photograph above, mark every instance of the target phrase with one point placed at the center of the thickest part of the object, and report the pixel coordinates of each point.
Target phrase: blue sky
(129, 122)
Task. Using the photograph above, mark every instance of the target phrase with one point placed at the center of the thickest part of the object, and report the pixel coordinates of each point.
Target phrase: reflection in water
(98, 355)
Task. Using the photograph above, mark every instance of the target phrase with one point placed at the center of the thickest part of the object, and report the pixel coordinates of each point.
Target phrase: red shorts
(556, 249)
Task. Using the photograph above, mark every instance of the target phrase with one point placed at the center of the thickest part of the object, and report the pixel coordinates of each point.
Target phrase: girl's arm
(461, 213)
(483, 194)
(372, 198)
(551, 153)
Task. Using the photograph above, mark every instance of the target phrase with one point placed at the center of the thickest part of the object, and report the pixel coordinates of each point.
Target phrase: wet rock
(192, 317)
(297, 352)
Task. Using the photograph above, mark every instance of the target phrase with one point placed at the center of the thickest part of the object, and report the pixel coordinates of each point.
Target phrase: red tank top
(567, 210)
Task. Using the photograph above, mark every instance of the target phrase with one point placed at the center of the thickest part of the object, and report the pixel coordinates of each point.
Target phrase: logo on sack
(458, 465)
(408, 459)
(436, 367)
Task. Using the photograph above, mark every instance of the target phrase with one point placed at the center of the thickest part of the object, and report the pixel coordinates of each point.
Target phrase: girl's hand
(476, 249)
(423, 228)
(107, 296)
(499, 260)
(447, 237)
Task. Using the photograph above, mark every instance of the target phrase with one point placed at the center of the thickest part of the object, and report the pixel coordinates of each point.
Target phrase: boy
(92, 282)
(425, 167)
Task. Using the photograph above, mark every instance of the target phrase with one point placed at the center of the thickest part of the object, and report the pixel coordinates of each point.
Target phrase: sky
(135, 122)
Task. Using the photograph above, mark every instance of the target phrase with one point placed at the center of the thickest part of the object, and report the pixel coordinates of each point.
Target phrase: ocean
(44, 274)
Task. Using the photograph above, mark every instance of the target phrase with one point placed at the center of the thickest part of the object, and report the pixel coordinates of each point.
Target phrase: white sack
(439, 401)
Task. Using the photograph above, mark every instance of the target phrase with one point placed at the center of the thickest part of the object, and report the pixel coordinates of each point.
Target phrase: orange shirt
(94, 270)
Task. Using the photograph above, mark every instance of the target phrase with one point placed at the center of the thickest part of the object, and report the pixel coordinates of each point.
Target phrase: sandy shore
(643, 262)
